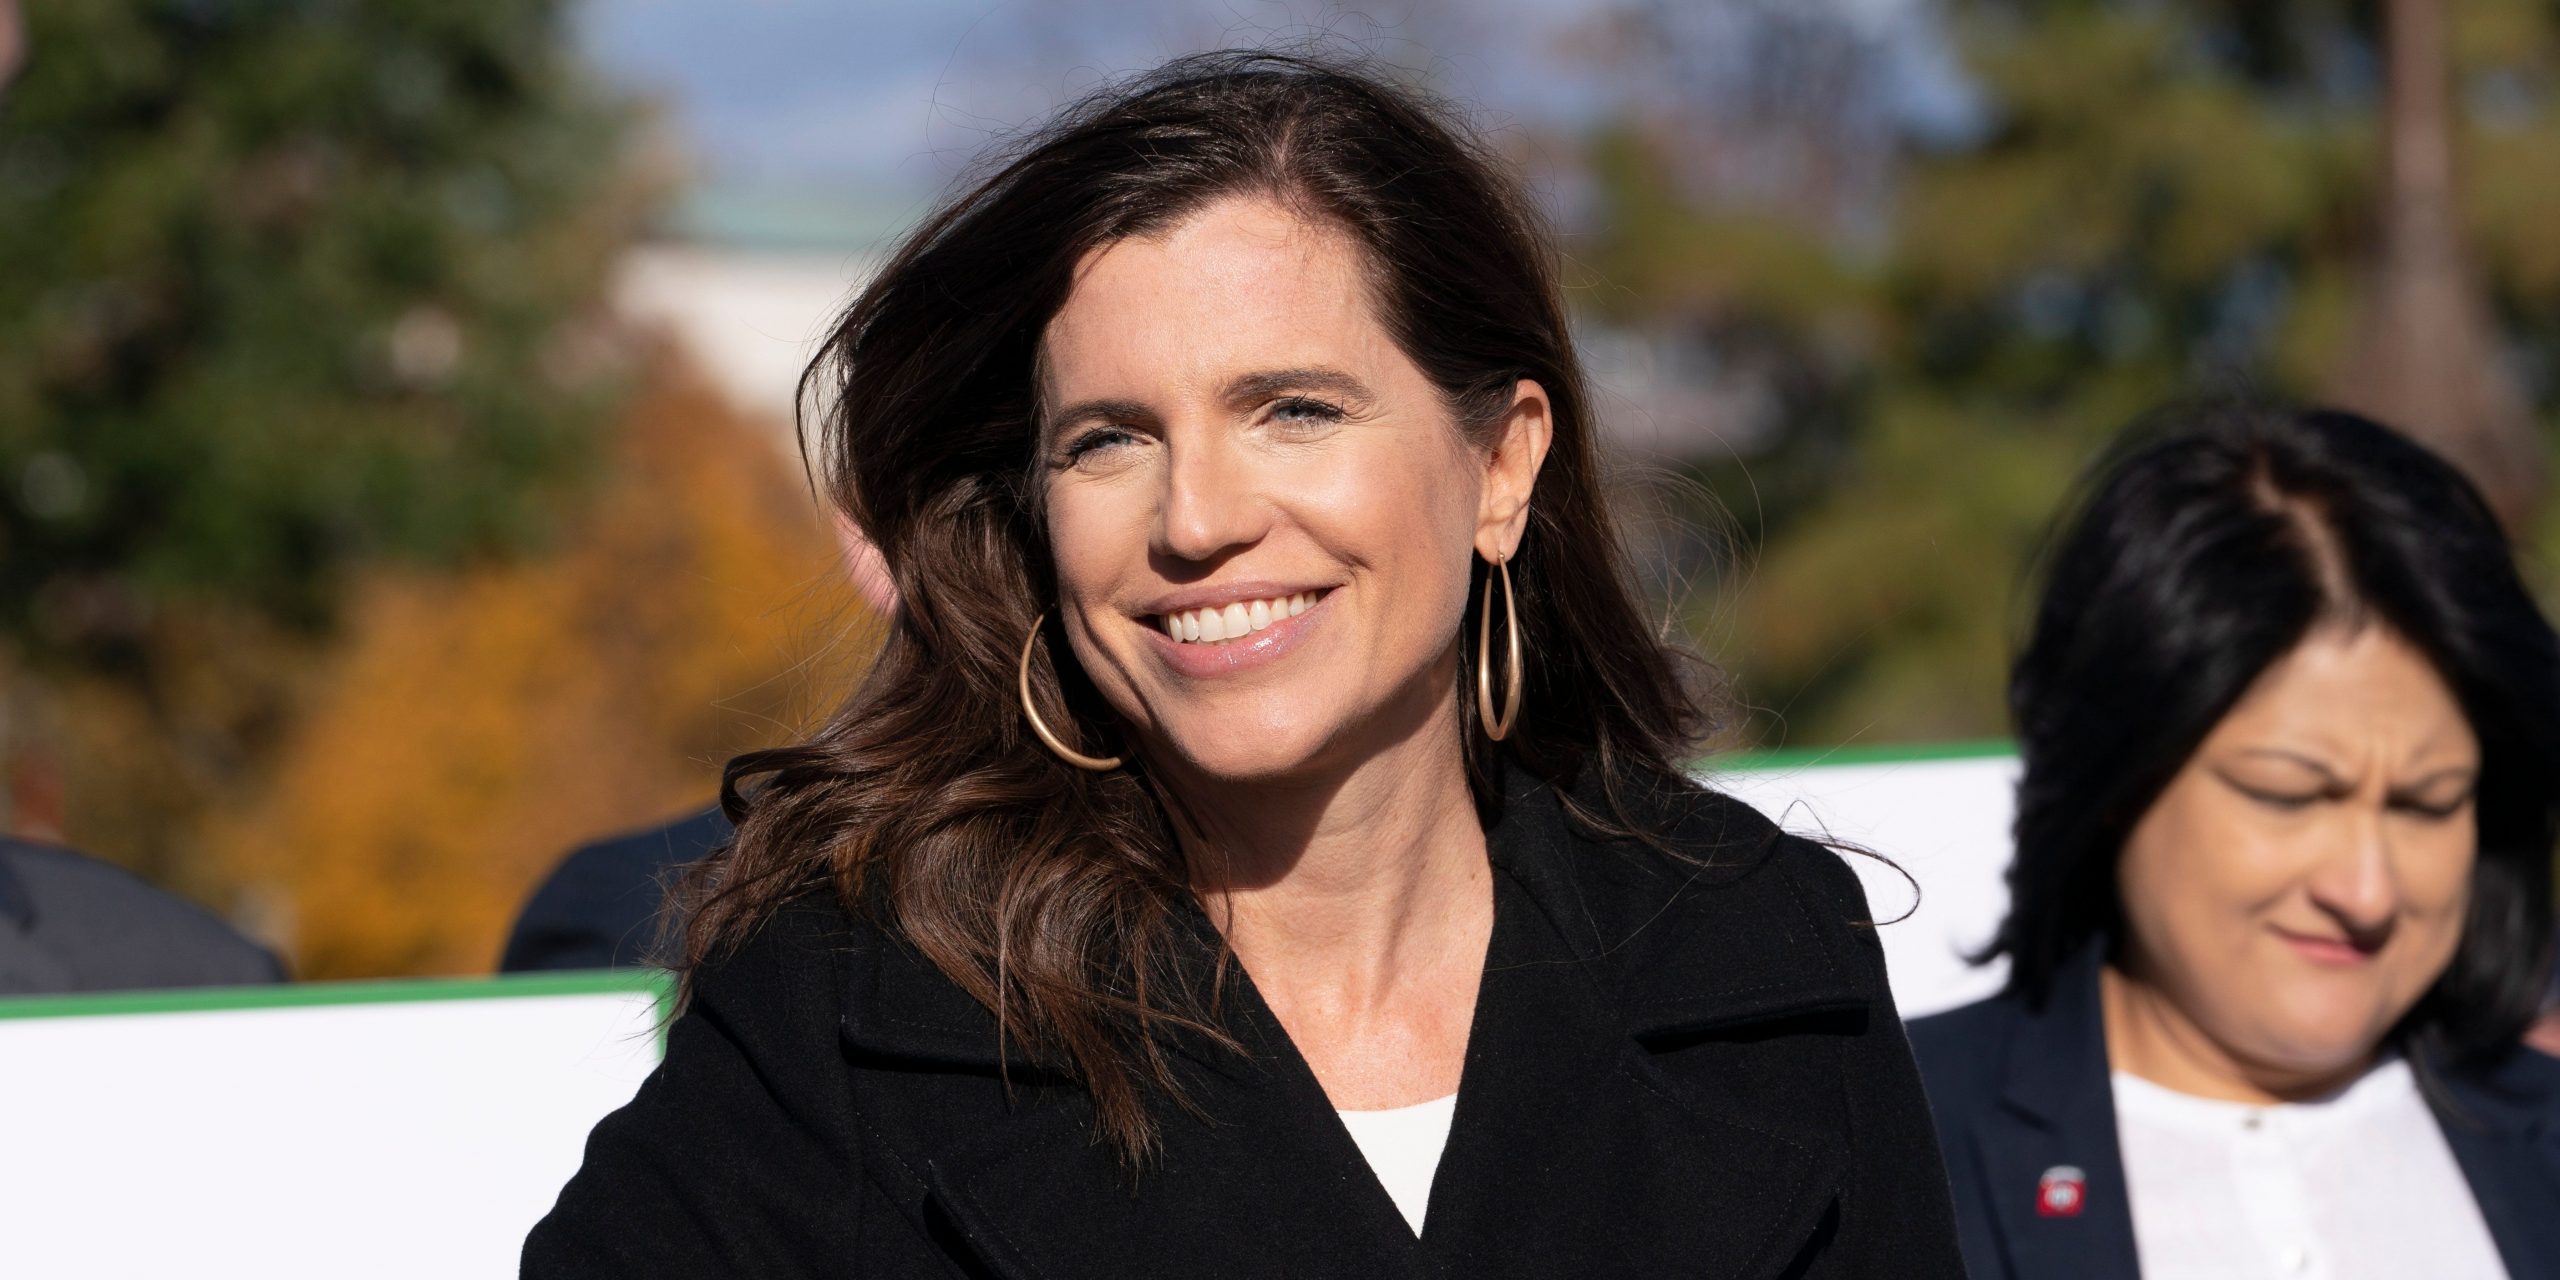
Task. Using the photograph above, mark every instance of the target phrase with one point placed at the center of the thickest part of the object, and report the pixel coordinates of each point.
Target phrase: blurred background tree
(469, 727)
(288, 291)
(2147, 201)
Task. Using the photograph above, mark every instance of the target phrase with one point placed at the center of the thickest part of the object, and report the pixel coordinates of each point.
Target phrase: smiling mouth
(1234, 621)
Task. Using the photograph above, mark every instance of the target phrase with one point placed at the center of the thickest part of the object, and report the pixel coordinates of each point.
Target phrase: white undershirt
(1403, 1145)
(2358, 1184)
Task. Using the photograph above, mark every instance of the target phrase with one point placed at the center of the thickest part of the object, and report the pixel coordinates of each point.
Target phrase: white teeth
(1234, 621)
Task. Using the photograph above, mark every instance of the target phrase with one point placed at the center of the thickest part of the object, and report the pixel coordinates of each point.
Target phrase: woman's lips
(2337, 953)
(1204, 659)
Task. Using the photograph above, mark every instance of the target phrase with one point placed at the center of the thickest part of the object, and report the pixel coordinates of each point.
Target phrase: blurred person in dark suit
(600, 907)
(70, 922)
(2281, 909)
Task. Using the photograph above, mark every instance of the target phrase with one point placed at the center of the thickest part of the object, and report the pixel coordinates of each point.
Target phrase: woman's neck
(2151, 1038)
(1361, 907)
(1347, 872)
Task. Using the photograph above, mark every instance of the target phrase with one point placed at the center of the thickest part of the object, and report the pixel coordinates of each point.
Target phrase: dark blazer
(2020, 1091)
(71, 922)
(599, 908)
(1674, 1070)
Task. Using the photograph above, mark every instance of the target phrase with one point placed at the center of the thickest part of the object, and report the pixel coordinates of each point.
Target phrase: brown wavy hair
(1061, 899)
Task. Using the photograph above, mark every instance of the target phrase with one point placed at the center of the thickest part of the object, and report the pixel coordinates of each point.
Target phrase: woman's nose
(2356, 883)
(1210, 504)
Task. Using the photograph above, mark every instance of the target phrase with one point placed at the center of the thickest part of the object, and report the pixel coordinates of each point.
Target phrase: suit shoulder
(599, 907)
(120, 931)
(2517, 1088)
(638, 859)
(1960, 1051)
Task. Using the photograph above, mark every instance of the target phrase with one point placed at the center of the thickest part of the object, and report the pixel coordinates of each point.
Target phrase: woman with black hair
(2282, 900)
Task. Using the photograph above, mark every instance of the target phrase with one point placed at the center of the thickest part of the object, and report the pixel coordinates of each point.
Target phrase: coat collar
(2055, 1127)
(1593, 961)
(2498, 1118)
(1613, 903)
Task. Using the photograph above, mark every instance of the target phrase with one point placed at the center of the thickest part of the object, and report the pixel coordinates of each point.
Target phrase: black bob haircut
(2208, 544)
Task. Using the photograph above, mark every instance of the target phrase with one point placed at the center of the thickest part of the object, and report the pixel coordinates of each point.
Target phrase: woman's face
(1263, 514)
(2304, 878)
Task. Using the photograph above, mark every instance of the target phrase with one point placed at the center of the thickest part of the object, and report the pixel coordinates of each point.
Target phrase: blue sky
(890, 96)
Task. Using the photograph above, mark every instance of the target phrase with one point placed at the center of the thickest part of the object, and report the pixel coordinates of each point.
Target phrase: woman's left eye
(1299, 409)
(2435, 811)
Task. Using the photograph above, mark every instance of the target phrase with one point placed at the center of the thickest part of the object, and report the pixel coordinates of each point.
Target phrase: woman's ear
(1519, 449)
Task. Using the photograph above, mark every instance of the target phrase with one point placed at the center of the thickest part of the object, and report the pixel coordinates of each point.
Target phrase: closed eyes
(2417, 805)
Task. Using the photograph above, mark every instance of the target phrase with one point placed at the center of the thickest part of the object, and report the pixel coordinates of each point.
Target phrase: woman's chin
(2318, 1050)
(1260, 754)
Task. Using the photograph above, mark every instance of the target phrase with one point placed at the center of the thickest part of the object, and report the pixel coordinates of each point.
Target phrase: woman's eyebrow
(2428, 781)
(1105, 409)
(1271, 382)
(2294, 757)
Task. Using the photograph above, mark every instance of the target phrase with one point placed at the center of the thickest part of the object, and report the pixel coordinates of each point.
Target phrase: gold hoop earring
(1498, 728)
(1093, 764)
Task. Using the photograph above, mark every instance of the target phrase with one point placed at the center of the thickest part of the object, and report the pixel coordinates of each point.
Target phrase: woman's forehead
(1242, 284)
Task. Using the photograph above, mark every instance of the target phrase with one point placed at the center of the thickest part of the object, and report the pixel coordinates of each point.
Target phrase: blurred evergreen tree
(2158, 200)
(288, 288)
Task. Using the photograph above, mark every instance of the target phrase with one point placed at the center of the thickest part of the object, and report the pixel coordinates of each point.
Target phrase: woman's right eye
(2287, 802)
(2282, 799)
(1097, 441)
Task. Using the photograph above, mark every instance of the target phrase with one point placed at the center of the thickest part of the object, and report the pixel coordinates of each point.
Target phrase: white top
(2358, 1184)
(1403, 1148)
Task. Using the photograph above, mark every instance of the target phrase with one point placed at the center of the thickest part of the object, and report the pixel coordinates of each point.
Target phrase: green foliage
(2163, 200)
(287, 287)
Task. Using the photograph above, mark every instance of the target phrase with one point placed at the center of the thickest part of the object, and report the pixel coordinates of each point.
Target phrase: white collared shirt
(2355, 1185)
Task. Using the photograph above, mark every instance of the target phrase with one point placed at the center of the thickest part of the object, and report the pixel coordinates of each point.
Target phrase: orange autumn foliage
(474, 727)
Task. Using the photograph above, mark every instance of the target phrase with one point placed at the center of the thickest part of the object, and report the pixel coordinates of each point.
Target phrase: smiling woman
(1195, 887)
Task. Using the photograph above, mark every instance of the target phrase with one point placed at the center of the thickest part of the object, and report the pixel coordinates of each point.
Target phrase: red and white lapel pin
(2061, 1191)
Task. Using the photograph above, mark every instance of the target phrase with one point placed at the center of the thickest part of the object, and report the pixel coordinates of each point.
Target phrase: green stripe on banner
(1854, 753)
(305, 995)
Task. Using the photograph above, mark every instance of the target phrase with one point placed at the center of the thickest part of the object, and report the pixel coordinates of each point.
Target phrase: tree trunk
(2427, 357)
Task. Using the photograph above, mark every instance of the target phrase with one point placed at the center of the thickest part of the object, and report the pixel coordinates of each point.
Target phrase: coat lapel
(1258, 1178)
(2499, 1123)
(2056, 1124)
(1595, 1132)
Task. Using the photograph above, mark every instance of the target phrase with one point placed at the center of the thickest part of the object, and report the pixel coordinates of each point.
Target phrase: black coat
(599, 908)
(1673, 1071)
(2020, 1091)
